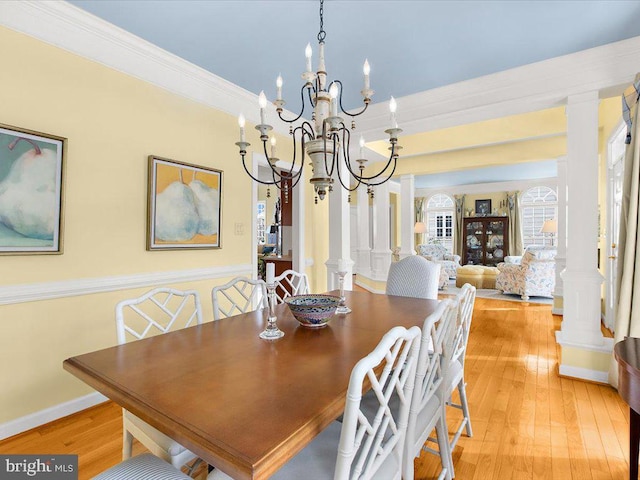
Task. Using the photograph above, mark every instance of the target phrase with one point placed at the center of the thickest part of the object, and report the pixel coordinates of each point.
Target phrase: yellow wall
(395, 226)
(317, 240)
(112, 122)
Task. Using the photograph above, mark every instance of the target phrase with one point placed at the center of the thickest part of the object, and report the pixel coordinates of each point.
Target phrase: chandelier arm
(277, 181)
(366, 179)
(254, 178)
(364, 109)
(291, 173)
(266, 155)
(346, 139)
(395, 164)
(297, 177)
(315, 91)
(333, 156)
(274, 172)
(301, 111)
(307, 130)
(348, 188)
(347, 161)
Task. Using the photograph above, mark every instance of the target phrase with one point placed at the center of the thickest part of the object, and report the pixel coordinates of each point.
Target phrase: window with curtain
(538, 204)
(261, 221)
(440, 220)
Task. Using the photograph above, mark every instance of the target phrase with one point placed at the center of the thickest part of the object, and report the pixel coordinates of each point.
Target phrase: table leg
(634, 443)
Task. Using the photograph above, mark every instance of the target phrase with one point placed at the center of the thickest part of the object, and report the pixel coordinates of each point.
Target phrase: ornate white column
(381, 253)
(561, 236)
(580, 333)
(339, 233)
(407, 215)
(364, 232)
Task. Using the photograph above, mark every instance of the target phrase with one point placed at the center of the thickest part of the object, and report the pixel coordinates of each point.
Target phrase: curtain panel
(515, 225)
(627, 322)
(458, 248)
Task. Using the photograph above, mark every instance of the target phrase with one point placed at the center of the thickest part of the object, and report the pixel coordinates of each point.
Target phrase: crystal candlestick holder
(342, 307)
(271, 331)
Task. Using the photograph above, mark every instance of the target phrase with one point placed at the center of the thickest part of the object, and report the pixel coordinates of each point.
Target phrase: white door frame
(297, 240)
(615, 161)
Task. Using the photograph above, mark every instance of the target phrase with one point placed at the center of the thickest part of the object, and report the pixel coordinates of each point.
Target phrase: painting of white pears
(183, 205)
(31, 183)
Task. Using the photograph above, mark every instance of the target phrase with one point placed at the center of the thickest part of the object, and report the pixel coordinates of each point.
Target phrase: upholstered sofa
(535, 276)
(437, 253)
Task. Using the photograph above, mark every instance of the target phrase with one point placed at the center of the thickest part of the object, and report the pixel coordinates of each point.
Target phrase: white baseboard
(584, 374)
(33, 420)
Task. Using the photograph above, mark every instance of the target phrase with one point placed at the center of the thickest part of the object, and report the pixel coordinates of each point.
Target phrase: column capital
(592, 96)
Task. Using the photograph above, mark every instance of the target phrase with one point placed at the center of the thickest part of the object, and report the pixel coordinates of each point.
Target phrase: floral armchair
(535, 276)
(437, 253)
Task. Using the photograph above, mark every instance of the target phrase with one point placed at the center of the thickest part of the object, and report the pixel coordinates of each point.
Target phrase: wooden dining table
(243, 404)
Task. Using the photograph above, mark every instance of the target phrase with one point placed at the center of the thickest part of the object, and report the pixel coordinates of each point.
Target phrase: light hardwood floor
(528, 423)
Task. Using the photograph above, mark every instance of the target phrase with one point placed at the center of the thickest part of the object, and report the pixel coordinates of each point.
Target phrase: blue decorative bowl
(313, 311)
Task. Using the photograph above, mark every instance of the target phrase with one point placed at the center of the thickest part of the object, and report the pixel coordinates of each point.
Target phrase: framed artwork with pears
(31, 191)
(184, 205)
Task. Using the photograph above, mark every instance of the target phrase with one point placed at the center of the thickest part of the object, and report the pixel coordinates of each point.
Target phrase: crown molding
(32, 292)
(68, 27)
(606, 69)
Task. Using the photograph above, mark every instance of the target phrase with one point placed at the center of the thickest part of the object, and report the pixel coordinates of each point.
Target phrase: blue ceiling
(502, 173)
(412, 46)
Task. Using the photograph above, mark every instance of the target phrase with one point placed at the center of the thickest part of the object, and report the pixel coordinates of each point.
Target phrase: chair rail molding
(32, 292)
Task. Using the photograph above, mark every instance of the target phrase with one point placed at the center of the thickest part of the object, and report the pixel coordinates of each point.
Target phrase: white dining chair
(366, 445)
(142, 467)
(413, 276)
(156, 312)
(466, 300)
(290, 283)
(428, 407)
(240, 295)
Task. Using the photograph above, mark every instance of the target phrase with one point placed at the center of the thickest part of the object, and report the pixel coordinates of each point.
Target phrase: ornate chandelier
(327, 140)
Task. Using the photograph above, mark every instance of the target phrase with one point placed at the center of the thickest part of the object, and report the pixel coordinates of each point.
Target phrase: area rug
(496, 295)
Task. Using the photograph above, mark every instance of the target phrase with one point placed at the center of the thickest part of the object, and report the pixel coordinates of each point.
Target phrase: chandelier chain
(322, 34)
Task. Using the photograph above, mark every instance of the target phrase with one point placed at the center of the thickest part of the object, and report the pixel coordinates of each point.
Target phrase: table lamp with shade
(420, 228)
(550, 226)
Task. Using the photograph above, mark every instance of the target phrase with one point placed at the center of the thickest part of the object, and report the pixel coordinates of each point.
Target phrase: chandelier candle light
(327, 140)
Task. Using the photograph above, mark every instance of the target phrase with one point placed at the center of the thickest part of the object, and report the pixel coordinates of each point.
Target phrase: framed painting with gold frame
(184, 205)
(31, 191)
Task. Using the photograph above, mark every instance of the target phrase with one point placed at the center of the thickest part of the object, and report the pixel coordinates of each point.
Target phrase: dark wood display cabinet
(486, 240)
